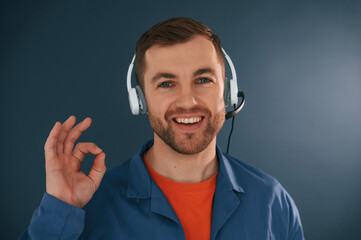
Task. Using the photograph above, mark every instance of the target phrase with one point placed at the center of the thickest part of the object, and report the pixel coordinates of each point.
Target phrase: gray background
(298, 62)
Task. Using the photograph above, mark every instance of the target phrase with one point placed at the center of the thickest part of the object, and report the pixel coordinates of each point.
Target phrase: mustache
(178, 110)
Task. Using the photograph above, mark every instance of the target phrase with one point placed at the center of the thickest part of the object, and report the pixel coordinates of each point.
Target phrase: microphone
(230, 114)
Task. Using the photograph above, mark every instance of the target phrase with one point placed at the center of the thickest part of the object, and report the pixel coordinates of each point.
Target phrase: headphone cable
(230, 133)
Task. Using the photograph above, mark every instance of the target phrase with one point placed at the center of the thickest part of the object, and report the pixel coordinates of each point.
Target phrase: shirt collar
(226, 171)
(140, 182)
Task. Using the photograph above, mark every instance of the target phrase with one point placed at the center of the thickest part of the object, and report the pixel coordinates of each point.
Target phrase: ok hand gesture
(64, 180)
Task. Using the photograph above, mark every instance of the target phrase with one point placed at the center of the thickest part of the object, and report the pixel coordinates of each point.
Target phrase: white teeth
(188, 120)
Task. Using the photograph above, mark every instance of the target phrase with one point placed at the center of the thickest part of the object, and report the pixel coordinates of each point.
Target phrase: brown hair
(172, 31)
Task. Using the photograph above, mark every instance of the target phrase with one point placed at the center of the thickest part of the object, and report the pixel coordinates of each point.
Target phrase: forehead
(197, 53)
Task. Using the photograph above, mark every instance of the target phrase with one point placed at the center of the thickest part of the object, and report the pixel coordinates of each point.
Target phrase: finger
(67, 125)
(75, 134)
(83, 148)
(98, 170)
(51, 141)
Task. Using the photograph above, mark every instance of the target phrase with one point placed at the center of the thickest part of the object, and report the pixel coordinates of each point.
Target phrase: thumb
(98, 170)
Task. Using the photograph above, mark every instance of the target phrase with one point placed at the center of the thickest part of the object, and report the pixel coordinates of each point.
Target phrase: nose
(186, 98)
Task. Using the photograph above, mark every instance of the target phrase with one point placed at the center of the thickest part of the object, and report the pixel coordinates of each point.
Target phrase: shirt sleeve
(295, 231)
(55, 219)
(285, 220)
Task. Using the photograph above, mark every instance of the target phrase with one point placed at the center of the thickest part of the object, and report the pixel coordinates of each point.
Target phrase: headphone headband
(231, 66)
(129, 74)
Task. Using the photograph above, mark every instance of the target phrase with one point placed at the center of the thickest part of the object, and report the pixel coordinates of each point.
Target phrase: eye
(165, 85)
(204, 80)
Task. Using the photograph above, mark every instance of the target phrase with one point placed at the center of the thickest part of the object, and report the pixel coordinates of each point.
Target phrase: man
(179, 185)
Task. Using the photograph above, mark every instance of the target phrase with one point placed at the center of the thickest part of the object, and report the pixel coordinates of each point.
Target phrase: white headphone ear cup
(141, 99)
(233, 92)
(226, 92)
(133, 101)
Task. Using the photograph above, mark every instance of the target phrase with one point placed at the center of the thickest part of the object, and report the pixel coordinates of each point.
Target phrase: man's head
(183, 84)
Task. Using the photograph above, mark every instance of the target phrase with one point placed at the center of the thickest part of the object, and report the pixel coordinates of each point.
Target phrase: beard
(188, 143)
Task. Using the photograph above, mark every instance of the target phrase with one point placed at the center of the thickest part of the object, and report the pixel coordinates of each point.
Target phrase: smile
(188, 120)
(188, 124)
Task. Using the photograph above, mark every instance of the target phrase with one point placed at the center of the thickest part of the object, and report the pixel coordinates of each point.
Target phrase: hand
(64, 180)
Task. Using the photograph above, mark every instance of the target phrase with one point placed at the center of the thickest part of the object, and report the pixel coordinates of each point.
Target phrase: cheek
(151, 101)
(217, 100)
(221, 105)
(157, 106)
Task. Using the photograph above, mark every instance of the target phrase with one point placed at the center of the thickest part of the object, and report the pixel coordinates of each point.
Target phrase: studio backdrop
(298, 63)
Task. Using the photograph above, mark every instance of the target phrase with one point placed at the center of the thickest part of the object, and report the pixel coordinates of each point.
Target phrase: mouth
(189, 121)
(188, 124)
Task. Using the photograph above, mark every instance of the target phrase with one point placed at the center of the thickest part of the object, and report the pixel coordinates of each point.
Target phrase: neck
(186, 168)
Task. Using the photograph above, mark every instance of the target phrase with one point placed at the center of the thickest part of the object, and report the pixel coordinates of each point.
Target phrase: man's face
(184, 86)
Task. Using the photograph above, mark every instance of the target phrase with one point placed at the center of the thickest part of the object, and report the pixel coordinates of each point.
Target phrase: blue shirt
(248, 204)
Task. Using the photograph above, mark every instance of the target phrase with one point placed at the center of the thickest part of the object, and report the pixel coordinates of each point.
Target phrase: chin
(190, 144)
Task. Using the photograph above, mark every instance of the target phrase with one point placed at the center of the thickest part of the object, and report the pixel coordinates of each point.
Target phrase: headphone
(231, 94)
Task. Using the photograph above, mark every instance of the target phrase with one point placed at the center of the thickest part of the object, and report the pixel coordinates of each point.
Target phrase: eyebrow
(203, 71)
(162, 75)
(172, 76)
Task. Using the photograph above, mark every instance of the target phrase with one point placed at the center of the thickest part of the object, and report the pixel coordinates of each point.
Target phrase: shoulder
(257, 184)
(264, 193)
(262, 189)
(251, 177)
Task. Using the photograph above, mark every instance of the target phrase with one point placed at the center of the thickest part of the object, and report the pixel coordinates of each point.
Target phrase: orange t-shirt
(192, 202)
